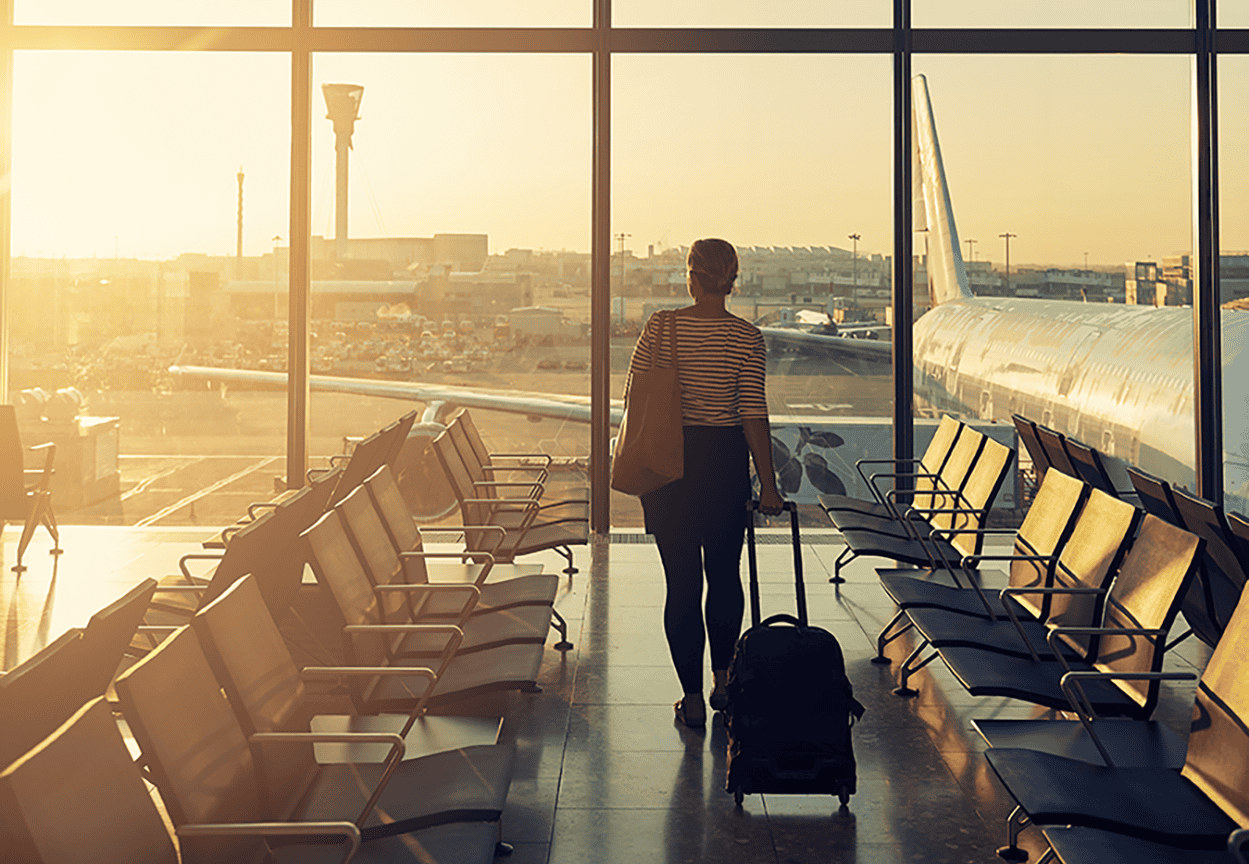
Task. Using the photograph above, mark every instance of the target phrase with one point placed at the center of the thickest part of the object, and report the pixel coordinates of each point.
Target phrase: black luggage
(791, 706)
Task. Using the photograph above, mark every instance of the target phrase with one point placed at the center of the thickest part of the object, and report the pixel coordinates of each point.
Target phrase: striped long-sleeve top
(720, 362)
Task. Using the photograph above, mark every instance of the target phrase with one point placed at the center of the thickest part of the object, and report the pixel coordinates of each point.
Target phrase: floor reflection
(604, 773)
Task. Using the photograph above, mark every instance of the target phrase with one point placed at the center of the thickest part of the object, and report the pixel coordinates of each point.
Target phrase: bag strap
(672, 330)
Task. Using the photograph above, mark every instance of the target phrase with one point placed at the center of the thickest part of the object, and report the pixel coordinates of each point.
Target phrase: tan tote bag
(650, 449)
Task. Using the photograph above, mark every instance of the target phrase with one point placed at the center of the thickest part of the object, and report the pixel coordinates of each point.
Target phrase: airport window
(789, 188)
(127, 252)
(464, 261)
(1036, 141)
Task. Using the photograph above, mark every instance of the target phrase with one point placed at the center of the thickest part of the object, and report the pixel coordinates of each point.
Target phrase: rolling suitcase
(791, 707)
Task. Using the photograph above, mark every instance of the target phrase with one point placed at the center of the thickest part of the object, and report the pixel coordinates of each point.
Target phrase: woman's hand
(770, 502)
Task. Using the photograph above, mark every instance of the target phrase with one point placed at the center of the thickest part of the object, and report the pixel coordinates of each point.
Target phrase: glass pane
(125, 215)
(1051, 13)
(184, 13)
(739, 13)
(1041, 168)
(1234, 278)
(440, 13)
(787, 186)
(464, 270)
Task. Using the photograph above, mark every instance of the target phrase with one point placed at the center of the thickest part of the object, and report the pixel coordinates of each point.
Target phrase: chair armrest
(479, 557)
(546, 456)
(1236, 843)
(427, 588)
(489, 529)
(395, 741)
(196, 556)
(260, 505)
(1071, 685)
(348, 830)
(1055, 632)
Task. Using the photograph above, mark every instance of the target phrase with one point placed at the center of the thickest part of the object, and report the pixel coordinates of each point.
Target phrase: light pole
(277, 284)
(621, 237)
(1007, 236)
(855, 238)
(1086, 260)
(971, 251)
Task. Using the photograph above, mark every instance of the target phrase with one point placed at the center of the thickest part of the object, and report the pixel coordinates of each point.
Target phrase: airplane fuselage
(1119, 378)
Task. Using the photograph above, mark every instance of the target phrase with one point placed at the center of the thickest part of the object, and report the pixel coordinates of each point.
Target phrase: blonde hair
(714, 262)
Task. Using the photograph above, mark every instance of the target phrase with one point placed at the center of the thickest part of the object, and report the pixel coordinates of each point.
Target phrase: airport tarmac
(199, 457)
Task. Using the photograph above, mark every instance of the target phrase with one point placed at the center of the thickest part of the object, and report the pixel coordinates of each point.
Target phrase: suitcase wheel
(843, 795)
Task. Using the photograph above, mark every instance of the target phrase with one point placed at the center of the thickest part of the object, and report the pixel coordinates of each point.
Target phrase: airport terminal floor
(604, 773)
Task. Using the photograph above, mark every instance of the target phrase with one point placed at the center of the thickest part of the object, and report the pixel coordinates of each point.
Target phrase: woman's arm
(759, 440)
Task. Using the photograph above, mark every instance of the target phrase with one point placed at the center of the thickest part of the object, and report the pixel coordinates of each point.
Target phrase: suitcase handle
(799, 588)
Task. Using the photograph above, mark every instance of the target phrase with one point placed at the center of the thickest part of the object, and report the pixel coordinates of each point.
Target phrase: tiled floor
(605, 774)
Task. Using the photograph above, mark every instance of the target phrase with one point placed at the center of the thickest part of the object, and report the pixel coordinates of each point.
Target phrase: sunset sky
(136, 154)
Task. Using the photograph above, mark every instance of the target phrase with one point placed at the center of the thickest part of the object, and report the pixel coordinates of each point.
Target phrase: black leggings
(698, 523)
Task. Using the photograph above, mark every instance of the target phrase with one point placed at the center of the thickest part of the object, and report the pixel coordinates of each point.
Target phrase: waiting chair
(207, 766)
(1078, 583)
(25, 496)
(1139, 611)
(527, 527)
(465, 770)
(924, 473)
(966, 511)
(1026, 430)
(41, 693)
(1055, 447)
(375, 634)
(1092, 470)
(1195, 807)
(385, 565)
(106, 815)
(1041, 536)
(1071, 845)
(1222, 573)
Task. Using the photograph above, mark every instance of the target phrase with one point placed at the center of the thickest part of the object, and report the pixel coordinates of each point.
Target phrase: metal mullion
(507, 40)
(1051, 41)
(751, 40)
(40, 37)
(299, 269)
(903, 239)
(6, 194)
(600, 281)
(1207, 335)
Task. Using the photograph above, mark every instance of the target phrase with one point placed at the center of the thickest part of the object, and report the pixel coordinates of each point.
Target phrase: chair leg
(907, 670)
(28, 532)
(49, 522)
(558, 622)
(837, 578)
(1016, 822)
(566, 551)
(882, 640)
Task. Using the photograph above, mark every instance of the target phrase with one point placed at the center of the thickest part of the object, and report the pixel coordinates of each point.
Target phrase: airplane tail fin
(933, 213)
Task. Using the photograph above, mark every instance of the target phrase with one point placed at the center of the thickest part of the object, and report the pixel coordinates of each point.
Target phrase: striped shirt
(720, 366)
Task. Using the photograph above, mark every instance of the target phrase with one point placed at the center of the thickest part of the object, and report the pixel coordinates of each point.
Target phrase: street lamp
(1007, 237)
(971, 251)
(855, 238)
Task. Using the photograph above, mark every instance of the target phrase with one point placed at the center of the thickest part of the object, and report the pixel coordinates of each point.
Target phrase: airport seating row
(1224, 563)
(926, 511)
(490, 494)
(422, 631)
(1094, 587)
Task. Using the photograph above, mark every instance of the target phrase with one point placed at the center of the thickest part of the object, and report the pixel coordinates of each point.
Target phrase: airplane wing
(837, 348)
(537, 405)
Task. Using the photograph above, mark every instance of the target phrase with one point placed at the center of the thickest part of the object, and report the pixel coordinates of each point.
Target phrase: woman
(699, 520)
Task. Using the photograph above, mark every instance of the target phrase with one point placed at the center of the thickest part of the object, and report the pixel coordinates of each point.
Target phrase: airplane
(1119, 378)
